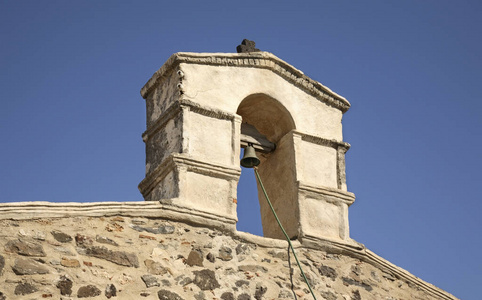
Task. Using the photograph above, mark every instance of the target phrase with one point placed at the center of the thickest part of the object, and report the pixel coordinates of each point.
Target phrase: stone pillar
(304, 177)
(191, 156)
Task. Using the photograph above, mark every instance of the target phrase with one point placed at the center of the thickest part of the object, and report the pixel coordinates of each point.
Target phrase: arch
(197, 102)
(267, 114)
(273, 120)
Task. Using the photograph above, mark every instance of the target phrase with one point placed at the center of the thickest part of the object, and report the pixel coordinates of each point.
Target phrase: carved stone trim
(193, 165)
(339, 195)
(341, 148)
(149, 209)
(172, 111)
(41, 209)
(263, 60)
(213, 170)
(175, 108)
(322, 141)
(157, 175)
(207, 111)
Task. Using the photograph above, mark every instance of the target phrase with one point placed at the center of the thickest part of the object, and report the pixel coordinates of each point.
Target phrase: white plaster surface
(322, 216)
(225, 88)
(210, 139)
(199, 101)
(317, 164)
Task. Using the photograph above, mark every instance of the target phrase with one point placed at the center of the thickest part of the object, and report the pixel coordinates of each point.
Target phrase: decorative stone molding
(197, 166)
(335, 195)
(322, 141)
(176, 107)
(341, 148)
(264, 60)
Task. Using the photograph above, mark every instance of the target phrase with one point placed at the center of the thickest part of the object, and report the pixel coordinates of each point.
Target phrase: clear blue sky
(71, 117)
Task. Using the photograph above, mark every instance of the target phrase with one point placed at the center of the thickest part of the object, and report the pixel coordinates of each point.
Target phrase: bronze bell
(249, 159)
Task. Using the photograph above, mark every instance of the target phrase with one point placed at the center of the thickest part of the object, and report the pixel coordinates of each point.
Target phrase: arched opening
(248, 210)
(272, 123)
(267, 114)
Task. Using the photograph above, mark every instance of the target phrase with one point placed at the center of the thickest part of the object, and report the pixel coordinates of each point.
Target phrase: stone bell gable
(203, 107)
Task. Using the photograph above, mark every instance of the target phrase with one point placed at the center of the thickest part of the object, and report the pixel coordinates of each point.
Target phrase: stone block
(26, 248)
(88, 291)
(25, 288)
(26, 266)
(60, 236)
(206, 280)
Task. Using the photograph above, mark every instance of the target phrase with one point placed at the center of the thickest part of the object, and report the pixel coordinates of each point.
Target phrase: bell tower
(203, 107)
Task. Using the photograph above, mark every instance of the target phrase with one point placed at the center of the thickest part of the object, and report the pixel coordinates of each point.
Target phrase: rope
(284, 232)
(291, 274)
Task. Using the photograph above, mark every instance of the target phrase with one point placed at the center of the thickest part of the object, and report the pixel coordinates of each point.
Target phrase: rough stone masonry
(122, 257)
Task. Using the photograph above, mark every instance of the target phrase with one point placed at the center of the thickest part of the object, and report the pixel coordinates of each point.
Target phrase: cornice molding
(191, 164)
(176, 107)
(146, 209)
(322, 141)
(345, 197)
(262, 60)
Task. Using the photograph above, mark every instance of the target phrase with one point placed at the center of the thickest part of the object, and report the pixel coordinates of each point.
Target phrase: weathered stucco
(196, 103)
(136, 250)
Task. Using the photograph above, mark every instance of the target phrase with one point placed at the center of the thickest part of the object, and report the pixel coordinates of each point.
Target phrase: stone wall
(106, 250)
